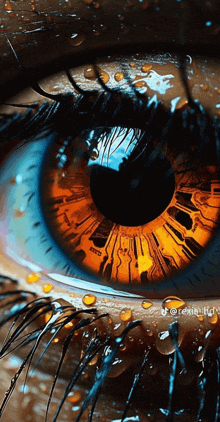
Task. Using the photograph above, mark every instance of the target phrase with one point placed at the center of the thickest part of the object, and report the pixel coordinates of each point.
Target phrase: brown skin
(42, 53)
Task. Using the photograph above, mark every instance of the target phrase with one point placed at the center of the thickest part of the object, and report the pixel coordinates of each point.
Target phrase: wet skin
(43, 35)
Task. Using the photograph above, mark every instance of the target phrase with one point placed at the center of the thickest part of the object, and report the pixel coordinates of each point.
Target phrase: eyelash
(49, 118)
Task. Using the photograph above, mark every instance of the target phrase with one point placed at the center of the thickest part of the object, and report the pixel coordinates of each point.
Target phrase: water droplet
(55, 340)
(149, 333)
(125, 315)
(33, 278)
(204, 87)
(200, 318)
(90, 73)
(18, 214)
(104, 76)
(146, 304)
(8, 6)
(131, 64)
(171, 302)
(140, 84)
(119, 76)
(213, 319)
(74, 397)
(94, 155)
(94, 360)
(164, 343)
(76, 40)
(146, 67)
(89, 299)
(131, 339)
(47, 288)
(122, 347)
(48, 316)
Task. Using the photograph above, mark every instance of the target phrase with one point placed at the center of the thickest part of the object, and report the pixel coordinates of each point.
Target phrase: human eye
(115, 334)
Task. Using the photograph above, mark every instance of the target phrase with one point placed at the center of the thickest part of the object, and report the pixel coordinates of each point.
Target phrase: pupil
(135, 194)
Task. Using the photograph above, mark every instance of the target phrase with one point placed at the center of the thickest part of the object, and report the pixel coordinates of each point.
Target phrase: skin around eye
(197, 320)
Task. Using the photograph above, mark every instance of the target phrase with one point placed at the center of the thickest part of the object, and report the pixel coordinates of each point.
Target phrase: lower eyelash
(61, 314)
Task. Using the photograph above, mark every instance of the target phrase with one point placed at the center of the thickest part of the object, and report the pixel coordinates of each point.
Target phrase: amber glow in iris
(146, 253)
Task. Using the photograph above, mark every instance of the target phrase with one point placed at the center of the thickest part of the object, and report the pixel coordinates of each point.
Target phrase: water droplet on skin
(149, 333)
(122, 347)
(76, 40)
(74, 397)
(18, 214)
(33, 278)
(213, 319)
(90, 73)
(171, 302)
(47, 288)
(146, 304)
(55, 340)
(89, 299)
(200, 318)
(125, 315)
(119, 76)
(8, 6)
(131, 339)
(146, 67)
(104, 76)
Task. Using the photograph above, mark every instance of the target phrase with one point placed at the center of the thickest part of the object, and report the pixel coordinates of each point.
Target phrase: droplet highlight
(125, 315)
(146, 304)
(213, 319)
(47, 288)
(173, 302)
(89, 299)
(33, 278)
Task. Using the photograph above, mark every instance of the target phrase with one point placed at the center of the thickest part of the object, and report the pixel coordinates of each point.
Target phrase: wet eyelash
(60, 315)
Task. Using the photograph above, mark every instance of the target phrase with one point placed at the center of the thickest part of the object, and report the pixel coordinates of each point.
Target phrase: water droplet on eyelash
(47, 288)
(125, 315)
(119, 76)
(213, 319)
(90, 73)
(94, 360)
(89, 299)
(104, 76)
(94, 155)
(164, 343)
(171, 302)
(146, 304)
(33, 278)
(146, 67)
(74, 397)
(200, 318)
(18, 214)
(76, 40)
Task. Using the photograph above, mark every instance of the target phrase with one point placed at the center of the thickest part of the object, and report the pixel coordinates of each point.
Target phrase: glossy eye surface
(108, 193)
